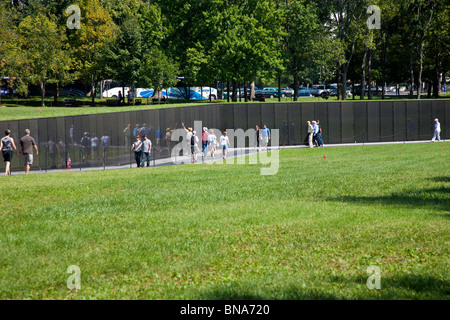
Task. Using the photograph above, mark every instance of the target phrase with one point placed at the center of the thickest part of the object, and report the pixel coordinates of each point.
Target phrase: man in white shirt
(437, 130)
(146, 151)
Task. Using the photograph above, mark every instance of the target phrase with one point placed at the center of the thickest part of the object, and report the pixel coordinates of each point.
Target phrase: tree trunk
(252, 91)
(436, 79)
(123, 94)
(43, 93)
(419, 79)
(245, 92)
(369, 71)
(101, 90)
(240, 93)
(383, 85)
(363, 74)
(296, 87)
(56, 93)
(228, 90)
(234, 93)
(411, 67)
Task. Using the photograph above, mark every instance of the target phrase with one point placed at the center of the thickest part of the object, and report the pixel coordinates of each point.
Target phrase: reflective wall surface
(111, 135)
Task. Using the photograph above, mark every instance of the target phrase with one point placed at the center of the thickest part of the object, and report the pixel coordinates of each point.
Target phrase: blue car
(269, 92)
(4, 92)
(304, 92)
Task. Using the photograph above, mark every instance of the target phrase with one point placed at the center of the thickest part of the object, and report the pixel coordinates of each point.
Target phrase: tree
(158, 71)
(90, 41)
(44, 48)
(345, 20)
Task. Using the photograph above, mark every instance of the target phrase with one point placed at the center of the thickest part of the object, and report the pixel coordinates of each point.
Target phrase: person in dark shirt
(26, 150)
(6, 146)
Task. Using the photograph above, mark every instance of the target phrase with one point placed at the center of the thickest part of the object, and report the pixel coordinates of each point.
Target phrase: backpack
(85, 142)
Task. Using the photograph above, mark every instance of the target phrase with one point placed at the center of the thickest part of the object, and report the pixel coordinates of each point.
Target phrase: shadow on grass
(394, 287)
(399, 287)
(436, 198)
(440, 179)
(220, 293)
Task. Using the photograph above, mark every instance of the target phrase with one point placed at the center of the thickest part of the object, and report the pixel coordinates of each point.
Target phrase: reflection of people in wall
(410, 129)
(292, 132)
(62, 153)
(94, 148)
(136, 130)
(284, 133)
(72, 134)
(106, 143)
(52, 149)
(126, 135)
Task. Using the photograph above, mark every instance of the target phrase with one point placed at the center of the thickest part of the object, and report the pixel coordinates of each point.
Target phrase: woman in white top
(225, 143)
(188, 138)
(212, 142)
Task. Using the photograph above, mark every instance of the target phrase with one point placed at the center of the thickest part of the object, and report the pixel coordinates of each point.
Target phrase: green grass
(226, 232)
(16, 109)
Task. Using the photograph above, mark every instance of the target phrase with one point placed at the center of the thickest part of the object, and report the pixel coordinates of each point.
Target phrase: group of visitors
(262, 136)
(142, 148)
(27, 143)
(314, 134)
(209, 143)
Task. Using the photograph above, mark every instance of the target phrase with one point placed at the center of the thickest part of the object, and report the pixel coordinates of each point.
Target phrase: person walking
(27, 143)
(315, 130)
(319, 134)
(146, 151)
(437, 130)
(266, 136)
(310, 131)
(7, 145)
(130, 97)
(212, 143)
(137, 148)
(205, 135)
(257, 136)
(224, 144)
(188, 138)
(194, 146)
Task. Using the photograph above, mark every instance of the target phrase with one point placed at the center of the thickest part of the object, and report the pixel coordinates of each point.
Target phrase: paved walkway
(232, 153)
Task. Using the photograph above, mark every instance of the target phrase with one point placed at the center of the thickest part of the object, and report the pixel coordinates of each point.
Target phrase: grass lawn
(226, 232)
(16, 109)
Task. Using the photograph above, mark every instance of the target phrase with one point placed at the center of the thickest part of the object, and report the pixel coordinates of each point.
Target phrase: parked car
(289, 91)
(317, 89)
(4, 91)
(304, 92)
(269, 92)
